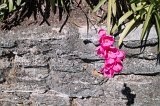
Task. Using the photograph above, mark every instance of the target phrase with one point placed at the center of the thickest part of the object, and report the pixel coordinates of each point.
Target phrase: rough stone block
(36, 74)
(46, 68)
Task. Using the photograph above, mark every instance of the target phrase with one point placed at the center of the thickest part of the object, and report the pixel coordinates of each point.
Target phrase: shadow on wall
(126, 91)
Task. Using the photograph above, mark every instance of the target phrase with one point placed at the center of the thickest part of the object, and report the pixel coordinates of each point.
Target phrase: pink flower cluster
(112, 55)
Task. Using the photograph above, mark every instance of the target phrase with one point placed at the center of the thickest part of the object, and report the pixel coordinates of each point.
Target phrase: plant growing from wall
(145, 11)
(112, 56)
(8, 6)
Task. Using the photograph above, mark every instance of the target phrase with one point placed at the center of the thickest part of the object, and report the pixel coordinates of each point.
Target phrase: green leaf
(4, 1)
(109, 17)
(10, 5)
(133, 6)
(2, 6)
(99, 5)
(19, 2)
(124, 17)
(114, 7)
(142, 13)
(127, 28)
(157, 24)
(53, 5)
(1, 15)
(147, 21)
(134, 1)
(61, 3)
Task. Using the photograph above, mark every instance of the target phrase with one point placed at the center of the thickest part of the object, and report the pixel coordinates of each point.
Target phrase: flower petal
(118, 67)
(111, 54)
(109, 73)
(100, 51)
(106, 40)
(101, 32)
(109, 61)
(121, 54)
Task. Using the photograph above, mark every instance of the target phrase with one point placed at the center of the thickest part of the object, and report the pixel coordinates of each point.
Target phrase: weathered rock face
(41, 67)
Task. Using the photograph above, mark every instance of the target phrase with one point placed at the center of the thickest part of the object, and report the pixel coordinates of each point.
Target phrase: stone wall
(41, 67)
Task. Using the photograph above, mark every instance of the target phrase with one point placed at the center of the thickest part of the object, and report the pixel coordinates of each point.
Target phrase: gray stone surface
(41, 67)
(135, 34)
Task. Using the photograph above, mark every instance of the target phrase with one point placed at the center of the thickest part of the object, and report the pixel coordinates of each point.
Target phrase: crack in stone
(85, 60)
(141, 74)
(8, 55)
(36, 66)
(138, 44)
(138, 57)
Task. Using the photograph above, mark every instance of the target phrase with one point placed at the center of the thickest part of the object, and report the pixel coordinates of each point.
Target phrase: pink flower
(101, 32)
(102, 51)
(114, 52)
(105, 40)
(121, 54)
(107, 72)
(115, 64)
(117, 67)
(112, 55)
(112, 66)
